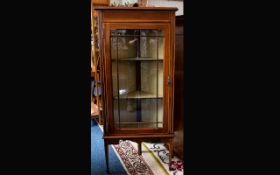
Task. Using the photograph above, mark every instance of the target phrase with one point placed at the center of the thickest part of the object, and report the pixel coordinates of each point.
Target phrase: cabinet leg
(171, 152)
(139, 148)
(106, 146)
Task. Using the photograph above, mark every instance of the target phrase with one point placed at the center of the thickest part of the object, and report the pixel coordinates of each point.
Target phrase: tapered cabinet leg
(139, 148)
(106, 146)
(171, 152)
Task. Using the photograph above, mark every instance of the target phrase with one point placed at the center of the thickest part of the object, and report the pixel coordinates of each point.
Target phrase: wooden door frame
(168, 94)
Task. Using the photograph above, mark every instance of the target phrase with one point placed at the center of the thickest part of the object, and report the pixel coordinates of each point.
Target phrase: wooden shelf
(137, 59)
(95, 104)
(137, 8)
(138, 95)
(141, 36)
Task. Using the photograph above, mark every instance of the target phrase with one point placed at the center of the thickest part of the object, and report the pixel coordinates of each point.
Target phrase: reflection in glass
(123, 48)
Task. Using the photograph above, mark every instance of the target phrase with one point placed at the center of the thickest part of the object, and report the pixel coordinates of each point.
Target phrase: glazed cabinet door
(137, 62)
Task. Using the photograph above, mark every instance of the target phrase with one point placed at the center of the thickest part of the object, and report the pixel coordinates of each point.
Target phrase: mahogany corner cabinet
(137, 51)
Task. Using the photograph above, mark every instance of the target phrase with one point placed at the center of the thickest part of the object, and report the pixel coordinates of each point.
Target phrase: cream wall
(166, 3)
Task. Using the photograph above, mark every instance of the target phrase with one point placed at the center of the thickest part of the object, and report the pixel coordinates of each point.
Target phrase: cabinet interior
(137, 78)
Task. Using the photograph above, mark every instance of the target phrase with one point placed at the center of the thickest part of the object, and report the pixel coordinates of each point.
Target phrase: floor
(125, 160)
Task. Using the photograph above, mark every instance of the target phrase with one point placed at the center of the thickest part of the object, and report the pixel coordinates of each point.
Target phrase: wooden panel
(138, 8)
(179, 90)
(136, 16)
(179, 30)
(100, 2)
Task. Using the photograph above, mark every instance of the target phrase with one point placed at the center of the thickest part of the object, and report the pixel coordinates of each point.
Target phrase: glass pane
(123, 76)
(123, 48)
(152, 77)
(151, 33)
(137, 44)
(125, 32)
(148, 47)
(137, 75)
(150, 116)
(132, 117)
(160, 48)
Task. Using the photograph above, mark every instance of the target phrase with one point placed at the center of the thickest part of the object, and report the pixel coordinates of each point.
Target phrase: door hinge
(169, 80)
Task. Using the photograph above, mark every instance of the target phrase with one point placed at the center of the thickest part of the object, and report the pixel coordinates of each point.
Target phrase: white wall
(166, 3)
(160, 3)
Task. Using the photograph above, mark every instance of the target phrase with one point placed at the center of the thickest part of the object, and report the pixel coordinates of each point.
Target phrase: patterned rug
(153, 161)
(133, 163)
